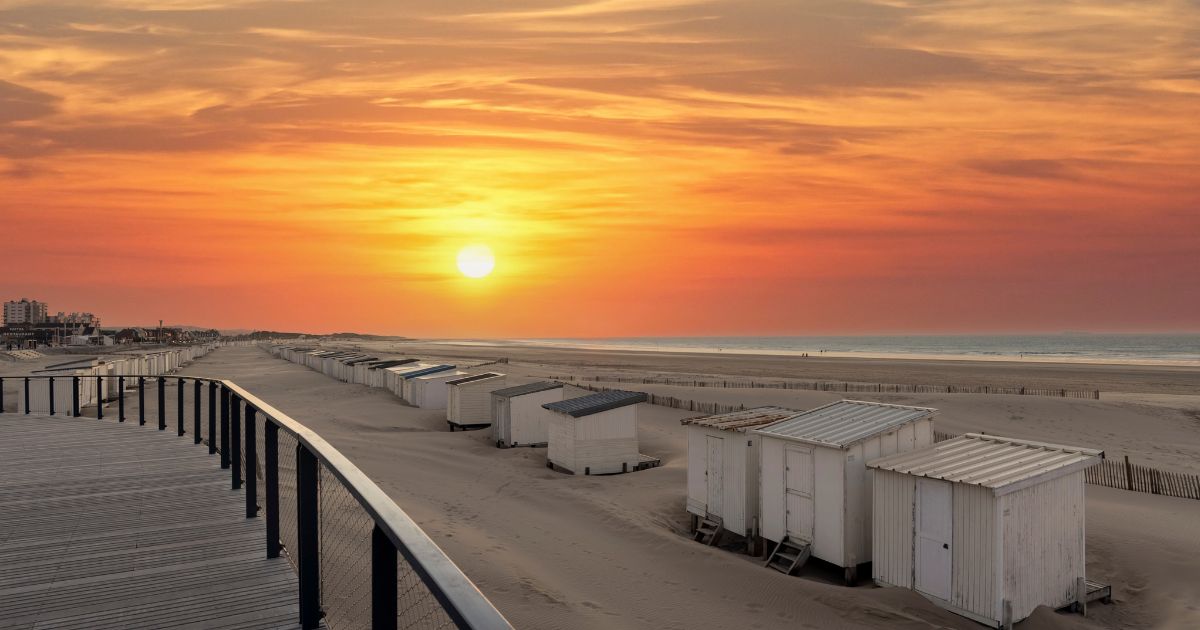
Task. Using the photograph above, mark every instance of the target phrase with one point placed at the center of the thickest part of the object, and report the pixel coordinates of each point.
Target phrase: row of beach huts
(92, 390)
(987, 527)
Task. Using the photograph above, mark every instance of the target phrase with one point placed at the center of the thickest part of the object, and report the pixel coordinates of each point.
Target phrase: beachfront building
(984, 526)
(376, 371)
(430, 391)
(596, 434)
(468, 400)
(518, 418)
(407, 380)
(24, 311)
(815, 490)
(722, 477)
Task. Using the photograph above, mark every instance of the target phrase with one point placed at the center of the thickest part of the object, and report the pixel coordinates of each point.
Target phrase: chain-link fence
(288, 533)
(345, 529)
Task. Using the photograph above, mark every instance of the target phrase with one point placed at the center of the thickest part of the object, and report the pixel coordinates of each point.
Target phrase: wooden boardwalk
(106, 525)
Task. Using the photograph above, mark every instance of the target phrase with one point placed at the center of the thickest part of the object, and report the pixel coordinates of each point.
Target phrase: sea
(1162, 349)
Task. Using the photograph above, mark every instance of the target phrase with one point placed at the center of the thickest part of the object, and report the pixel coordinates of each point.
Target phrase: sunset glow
(655, 167)
(476, 261)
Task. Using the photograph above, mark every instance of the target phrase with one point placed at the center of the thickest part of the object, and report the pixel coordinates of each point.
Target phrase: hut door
(798, 486)
(934, 533)
(714, 478)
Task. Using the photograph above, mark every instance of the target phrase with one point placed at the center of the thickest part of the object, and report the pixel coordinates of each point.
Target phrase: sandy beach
(556, 551)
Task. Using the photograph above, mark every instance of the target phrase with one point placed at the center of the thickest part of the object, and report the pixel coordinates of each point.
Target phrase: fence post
(251, 462)
(1128, 473)
(179, 416)
(75, 396)
(1, 394)
(51, 387)
(308, 537)
(120, 399)
(271, 480)
(99, 397)
(141, 400)
(212, 418)
(235, 437)
(384, 584)
(26, 395)
(224, 427)
(162, 403)
(196, 391)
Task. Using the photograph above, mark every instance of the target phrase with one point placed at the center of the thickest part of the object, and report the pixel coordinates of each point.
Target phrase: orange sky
(640, 167)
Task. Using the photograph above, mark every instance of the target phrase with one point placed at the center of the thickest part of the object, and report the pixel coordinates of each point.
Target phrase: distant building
(24, 311)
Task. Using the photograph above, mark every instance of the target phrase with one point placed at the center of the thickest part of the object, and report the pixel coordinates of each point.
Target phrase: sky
(639, 167)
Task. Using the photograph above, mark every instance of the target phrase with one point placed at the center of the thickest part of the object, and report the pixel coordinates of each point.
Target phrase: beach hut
(468, 403)
(984, 526)
(407, 380)
(722, 477)
(596, 434)
(518, 418)
(429, 391)
(815, 491)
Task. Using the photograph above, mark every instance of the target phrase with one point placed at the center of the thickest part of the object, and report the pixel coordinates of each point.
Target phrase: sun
(476, 261)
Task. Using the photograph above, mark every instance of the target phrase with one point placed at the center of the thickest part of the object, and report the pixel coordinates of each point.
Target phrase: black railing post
(141, 400)
(179, 414)
(271, 481)
(224, 427)
(383, 581)
(251, 463)
(308, 556)
(75, 396)
(51, 388)
(162, 403)
(212, 418)
(26, 395)
(196, 409)
(235, 436)
(99, 397)
(1, 394)
(120, 399)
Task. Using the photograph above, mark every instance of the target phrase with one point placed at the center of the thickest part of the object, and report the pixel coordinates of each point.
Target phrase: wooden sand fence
(1125, 475)
(840, 386)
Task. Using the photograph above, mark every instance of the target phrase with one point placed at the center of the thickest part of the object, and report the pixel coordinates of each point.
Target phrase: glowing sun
(476, 261)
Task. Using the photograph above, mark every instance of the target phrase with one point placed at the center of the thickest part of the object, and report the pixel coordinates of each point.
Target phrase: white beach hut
(815, 491)
(596, 434)
(984, 526)
(407, 380)
(518, 418)
(430, 391)
(722, 477)
(468, 403)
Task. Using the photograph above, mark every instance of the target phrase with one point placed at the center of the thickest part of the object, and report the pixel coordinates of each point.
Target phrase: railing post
(120, 399)
(162, 403)
(26, 395)
(196, 409)
(179, 415)
(212, 418)
(141, 400)
(99, 397)
(51, 388)
(235, 436)
(75, 396)
(271, 480)
(383, 581)
(1, 394)
(308, 534)
(251, 462)
(224, 427)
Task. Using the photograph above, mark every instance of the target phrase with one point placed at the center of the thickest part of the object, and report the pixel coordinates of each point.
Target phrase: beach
(553, 551)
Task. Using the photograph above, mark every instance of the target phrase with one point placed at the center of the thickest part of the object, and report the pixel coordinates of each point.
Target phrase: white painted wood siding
(1044, 547)
(739, 477)
(606, 442)
(892, 528)
(974, 586)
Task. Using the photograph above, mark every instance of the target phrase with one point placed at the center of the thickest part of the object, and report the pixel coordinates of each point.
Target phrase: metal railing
(361, 561)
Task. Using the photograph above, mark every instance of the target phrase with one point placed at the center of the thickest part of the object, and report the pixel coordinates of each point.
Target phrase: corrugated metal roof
(441, 375)
(426, 371)
(474, 377)
(595, 403)
(989, 461)
(845, 422)
(527, 388)
(390, 363)
(741, 420)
